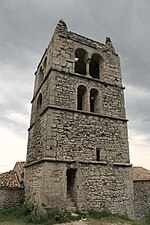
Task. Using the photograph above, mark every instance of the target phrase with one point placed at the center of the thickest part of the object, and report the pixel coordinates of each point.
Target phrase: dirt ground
(75, 223)
(92, 222)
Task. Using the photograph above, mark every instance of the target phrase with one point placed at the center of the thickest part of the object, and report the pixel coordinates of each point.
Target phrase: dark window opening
(39, 103)
(94, 101)
(95, 66)
(80, 65)
(97, 154)
(45, 63)
(81, 100)
(71, 177)
(41, 76)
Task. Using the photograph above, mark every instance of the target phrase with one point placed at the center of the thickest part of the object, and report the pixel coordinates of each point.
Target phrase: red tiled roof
(140, 173)
(14, 178)
(9, 180)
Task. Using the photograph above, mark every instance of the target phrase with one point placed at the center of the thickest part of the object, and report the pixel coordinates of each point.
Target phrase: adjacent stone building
(78, 143)
(141, 188)
(12, 187)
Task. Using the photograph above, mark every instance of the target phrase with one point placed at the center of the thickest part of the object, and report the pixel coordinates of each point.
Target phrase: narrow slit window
(45, 63)
(97, 154)
(41, 76)
(39, 104)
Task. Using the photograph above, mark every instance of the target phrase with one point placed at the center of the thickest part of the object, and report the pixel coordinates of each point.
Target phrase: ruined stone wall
(11, 197)
(141, 198)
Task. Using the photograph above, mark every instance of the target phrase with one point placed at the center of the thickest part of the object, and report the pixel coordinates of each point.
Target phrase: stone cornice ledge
(88, 77)
(122, 164)
(82, 112)
(77, 162)
(78, 111)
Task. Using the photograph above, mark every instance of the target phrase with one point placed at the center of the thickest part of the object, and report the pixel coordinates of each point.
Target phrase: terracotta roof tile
(140, 173)
(9, 180)
(13, 178)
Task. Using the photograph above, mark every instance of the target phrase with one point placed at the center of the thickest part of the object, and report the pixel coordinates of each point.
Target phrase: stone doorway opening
(71, 177)
(71, 187)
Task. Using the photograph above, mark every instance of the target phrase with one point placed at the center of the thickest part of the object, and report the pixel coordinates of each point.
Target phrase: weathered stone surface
(141, 198)
(11, 197)
(78, 142)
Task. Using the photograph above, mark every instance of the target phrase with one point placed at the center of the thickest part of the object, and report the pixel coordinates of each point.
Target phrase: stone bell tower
(78, 153)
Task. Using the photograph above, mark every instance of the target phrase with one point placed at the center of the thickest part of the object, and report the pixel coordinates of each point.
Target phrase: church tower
(78, 153)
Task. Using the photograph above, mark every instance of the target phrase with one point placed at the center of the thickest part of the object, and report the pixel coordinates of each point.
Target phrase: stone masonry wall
(60, 56)
(107, 187)
(45, 184)
(62, 137)
(34, 184)
(64, 56)
(61, 90)
(11, 197)
(141, 198)
(75, 136)
(99, 186)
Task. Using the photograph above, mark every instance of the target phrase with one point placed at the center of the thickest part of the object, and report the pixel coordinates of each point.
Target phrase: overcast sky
(26, 27)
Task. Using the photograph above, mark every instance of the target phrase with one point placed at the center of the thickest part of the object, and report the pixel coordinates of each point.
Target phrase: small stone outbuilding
(11, 186)
(141, 189)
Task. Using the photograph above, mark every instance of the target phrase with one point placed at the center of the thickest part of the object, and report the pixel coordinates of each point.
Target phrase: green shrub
(30, 213)
(58, 216)
(99, 214)
(81, 214)
(26, 212)
(36, 216)
(14, 212)
(147, 216)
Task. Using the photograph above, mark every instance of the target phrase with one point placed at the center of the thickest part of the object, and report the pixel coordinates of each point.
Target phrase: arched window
(45, 63)
(95, 66)
(39, 104)
(80, 65)
(94, 101)
(41, 76)
(82, 98)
